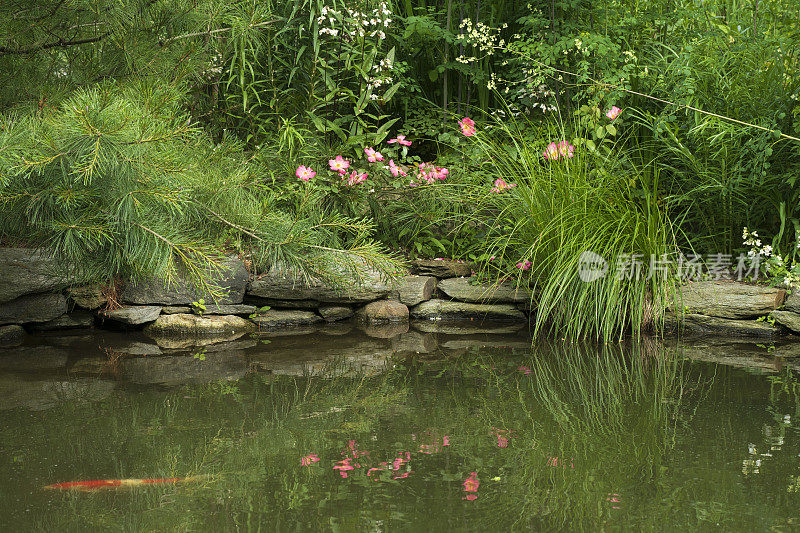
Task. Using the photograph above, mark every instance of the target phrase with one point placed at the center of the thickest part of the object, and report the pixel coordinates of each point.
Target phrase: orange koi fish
(99, 484)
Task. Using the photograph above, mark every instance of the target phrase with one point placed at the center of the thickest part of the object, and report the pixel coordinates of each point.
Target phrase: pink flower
(372, 155)
(565, 149)
(305, 173)
(446, 440)
(399, 139)
(500, 185)
(523, 265)
(467, 126)
(395, 170)
(308, 459)
(404, 475)
(551, 152)
(339, 164)
(525, 370)
(355, 178)
(441, 173)
(502, 441)
(613, 112)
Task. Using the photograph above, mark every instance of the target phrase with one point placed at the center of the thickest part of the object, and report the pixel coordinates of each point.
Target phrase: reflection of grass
(252, 441)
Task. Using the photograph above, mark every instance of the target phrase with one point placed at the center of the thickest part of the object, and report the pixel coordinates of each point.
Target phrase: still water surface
(343, 431)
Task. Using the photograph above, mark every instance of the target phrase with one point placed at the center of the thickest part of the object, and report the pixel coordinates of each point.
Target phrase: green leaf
(611, 129)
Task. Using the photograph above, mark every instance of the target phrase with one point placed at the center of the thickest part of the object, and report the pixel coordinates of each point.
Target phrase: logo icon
(591, 267)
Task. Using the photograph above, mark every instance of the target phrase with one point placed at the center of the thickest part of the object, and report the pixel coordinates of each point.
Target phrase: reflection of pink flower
(525, 370)
(446, 440)
(471, 484)
(502, 442)
(308, 459)
(399, 139)
(343, 466)
(339, 164)
(467, 126)
(304, 173)
(613, 112)
(404, 475)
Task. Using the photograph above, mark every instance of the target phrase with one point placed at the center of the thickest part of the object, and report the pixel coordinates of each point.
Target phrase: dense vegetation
(149, 137)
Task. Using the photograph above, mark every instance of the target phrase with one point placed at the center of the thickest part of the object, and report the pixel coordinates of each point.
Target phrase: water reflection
(422, 430)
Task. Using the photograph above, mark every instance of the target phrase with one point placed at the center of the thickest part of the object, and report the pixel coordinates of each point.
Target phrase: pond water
(437, 430)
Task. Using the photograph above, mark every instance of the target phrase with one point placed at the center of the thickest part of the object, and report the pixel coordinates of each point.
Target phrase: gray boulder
(87, 296)
(332, 313)
(727, 299)
(28, 271)
(792, 303)
(788, 319)
(384, 311)
(463, 289)
(12, 335)
(441, 268)
(133, 315)
(33, 308)
(443, 309)
(232, 281)
(416, 289)
(275, 318)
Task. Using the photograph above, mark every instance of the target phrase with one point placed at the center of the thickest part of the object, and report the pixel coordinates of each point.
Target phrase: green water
(558, 436)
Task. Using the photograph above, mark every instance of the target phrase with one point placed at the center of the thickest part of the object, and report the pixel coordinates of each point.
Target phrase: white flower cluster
(480, 35)
(330, 17)
(373, 23)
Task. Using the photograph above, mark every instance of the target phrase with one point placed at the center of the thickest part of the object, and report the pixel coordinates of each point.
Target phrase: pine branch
(4, 50)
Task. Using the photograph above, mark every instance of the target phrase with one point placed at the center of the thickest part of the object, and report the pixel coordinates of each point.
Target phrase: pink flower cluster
(524, 265)
(427, 173)
(501, 185)
(562, 150)
(613, 112)
(354, 178)
(396, 170)
(372, 155)
(308, 459)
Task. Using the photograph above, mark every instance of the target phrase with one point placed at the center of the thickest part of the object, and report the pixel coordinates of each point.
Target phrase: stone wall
(34, 298)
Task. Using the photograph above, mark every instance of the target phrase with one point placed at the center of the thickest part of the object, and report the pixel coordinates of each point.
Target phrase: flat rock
(384, 311)
(12, 335)
(792, 303)
(133, 315)
(788, 319)
(281, 284)
(276, 318)
(332, 313)
(192, 342)
(728, 299)
(285, 304)
(186, 325)
(28, 271)
(224, 309)
(445, 310)
(704, 324)
(88, 296)
(176, 310)
(73, 320)
(232, 281)
(462, 289)
(33, 308)
(416, 289)
(441, 268)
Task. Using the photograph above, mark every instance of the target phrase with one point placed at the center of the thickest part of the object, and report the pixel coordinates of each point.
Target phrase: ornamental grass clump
(570, 206)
